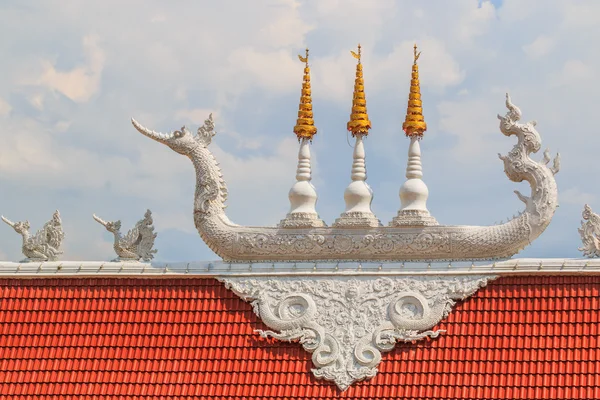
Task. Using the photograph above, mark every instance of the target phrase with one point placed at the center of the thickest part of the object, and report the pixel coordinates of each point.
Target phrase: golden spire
(305, 124)
(359, 119)
(414, 123)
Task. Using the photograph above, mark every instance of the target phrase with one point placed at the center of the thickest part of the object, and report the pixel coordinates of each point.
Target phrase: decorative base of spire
(357, 219)
(302, 220)
(413, 218)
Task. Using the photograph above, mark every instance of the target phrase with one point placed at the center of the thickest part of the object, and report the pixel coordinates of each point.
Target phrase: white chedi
(358, 195)
(302, 195)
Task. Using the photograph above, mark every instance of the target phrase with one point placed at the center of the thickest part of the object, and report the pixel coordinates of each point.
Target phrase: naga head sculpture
(148, 218)
(112, 227)
(587, 212)
(20, 227)
(182, 141)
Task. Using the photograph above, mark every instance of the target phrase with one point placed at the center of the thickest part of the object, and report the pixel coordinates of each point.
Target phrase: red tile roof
(518, 338)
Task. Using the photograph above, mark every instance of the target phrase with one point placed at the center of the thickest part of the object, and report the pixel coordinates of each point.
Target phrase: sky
(73, 74)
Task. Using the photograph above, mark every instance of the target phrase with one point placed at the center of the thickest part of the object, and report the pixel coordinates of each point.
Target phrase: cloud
(577, 197)
(81, 82)
(275, 71)
(5, 108)
(476, 20)
(258, 185)
(574, 72)
(196, 116)
(472, 123)
(540, 47)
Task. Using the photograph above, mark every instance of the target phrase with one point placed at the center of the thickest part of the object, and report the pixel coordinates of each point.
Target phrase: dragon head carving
(182, 141)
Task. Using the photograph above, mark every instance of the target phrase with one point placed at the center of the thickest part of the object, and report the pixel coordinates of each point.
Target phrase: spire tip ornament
(359, 118)
(305, 124)
(414, 123)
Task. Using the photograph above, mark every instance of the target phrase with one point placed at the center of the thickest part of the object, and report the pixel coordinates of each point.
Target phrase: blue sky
(73, 73)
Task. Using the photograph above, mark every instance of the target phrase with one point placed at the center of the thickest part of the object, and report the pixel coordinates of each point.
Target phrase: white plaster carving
(238, 243)
(347, 322)
(358, 195)
(45, 244)
(414, 192)
(303, 196)
(590, 232)
(137, 244)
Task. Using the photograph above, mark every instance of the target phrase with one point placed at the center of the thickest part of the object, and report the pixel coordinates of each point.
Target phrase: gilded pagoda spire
(358, 195)
(305, 124)
(414, 123)
(302, 195)
(359, 119)
(414, 192)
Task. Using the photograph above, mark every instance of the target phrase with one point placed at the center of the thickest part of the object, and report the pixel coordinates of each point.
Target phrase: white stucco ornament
(137, 244)
(347, 322)
(238, 243)
(590, 232)
(45, 244)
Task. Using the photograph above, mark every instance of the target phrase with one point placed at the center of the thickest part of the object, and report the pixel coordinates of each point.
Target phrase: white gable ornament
(347, 322)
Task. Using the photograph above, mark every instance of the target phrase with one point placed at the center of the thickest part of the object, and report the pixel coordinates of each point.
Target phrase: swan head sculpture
(111, 226)
(20, 227)
(182, 141)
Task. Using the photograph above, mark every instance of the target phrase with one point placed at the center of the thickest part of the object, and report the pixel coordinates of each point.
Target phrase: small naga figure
(138, 242)
(590, 232)
(45, 244)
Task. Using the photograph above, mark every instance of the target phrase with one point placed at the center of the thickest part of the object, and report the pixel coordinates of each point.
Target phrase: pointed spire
(359, 119)
(414, 123)
(305, 124)
(414, 192)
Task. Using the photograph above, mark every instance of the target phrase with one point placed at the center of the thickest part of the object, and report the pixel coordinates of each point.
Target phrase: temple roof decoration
(355, 240)
(414, 123)
(359, 119)
(305, 124)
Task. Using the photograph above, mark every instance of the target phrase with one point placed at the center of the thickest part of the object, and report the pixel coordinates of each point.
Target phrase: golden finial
(359, 119)
(416, 54)
(414, 123)
(305, 124)
(356, 55)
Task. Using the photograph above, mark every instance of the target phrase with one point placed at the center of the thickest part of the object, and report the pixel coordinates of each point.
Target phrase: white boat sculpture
(366, 239)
